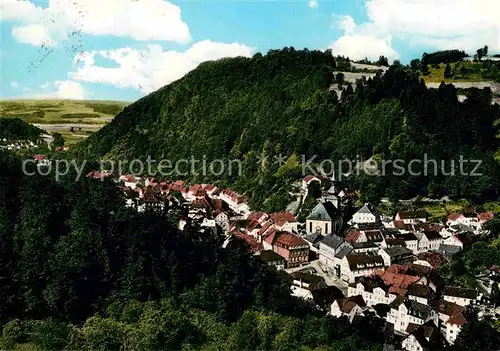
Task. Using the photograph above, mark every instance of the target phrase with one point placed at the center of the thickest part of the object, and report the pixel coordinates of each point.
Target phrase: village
(379, 265)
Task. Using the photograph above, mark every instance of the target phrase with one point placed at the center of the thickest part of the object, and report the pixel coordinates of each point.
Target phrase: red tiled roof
(252, 225)
(488, 216)
(435, 259)
(97, 174)
(39, 157)
(258, 216)
(352, 236)
(254, 245)
(495, 269)
(235, 197)
(208, 187)
(454, 216)
(308, 178)
(280, 218)
(194, 188)
(449, 308)
(264, 228)
(288, 239)
(458, 319)
(270, 238)
(399, 281)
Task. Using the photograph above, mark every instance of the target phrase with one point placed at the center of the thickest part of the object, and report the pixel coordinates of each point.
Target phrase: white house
(355, 305)
(459, 296)
(222, 219)
(396, 254)
(470, 219)
(425, 337)
(366, 214)
(328, 247)
(453, 317)
(412, 217)
(373, 290)
(428, 240)
(409, 312)
(410, 240)
(304, 283)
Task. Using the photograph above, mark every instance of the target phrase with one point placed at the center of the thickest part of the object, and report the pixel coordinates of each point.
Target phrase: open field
(85, 117)
(464, 71)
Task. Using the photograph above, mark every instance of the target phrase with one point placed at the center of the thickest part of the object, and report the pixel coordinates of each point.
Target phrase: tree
(447, 71)
(415, 64)
(339, 79)
(468, 340)
(480, 53)
(58, 140)
(485, 50)
(382, 61)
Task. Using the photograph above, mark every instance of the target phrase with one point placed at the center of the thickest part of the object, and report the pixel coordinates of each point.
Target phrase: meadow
(75, 120)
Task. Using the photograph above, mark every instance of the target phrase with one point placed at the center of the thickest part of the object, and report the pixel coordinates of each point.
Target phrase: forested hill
(280, 103)
(16, 129)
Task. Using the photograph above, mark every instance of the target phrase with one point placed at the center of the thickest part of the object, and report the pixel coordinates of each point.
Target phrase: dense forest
(79, 271)
(254, 109)
(16, 129)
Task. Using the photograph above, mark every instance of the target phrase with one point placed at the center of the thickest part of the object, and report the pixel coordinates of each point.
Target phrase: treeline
(106, 108)
(445, 56)
(78, 270)
(16, 129)
(166, 325)
(280, 105)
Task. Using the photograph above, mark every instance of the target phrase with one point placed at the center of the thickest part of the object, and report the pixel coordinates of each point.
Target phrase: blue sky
(125, 49)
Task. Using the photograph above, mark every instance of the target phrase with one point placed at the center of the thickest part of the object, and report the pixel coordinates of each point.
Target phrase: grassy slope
(436, 75)
(53, 112)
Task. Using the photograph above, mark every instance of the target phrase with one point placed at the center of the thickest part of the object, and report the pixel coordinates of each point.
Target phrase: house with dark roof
(324, 218)
(328, 247)
(313, 240)
(354, 266)
(405, 313)
(428, 240)
(426, 337)
(460, 296)
(421, 293)
(453, 317)
(304, 283)
(396, 254)
(373, 290)
(365, 247)
(350, 307)
(272, 259)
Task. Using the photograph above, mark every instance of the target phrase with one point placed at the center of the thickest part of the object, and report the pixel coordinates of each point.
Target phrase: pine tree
(447, 71)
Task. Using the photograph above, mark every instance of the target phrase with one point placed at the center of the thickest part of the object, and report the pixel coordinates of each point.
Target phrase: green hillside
(16, 129)
(86, 116)
(280, 105)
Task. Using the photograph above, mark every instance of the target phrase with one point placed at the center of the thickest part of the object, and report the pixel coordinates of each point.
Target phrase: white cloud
(312, 4)
(152, 68)
(15, 85)
(34, 34)
(356, 43)
(346, 23)
(140, 20)
(451, 24)
(357, 47)
(66, 89)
